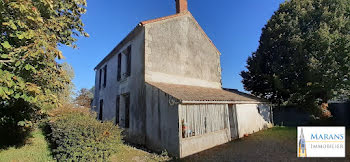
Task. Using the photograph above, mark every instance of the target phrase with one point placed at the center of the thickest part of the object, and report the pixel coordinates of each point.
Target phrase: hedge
(76, 135)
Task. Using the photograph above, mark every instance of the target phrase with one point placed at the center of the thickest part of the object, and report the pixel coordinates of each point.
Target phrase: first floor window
(105, 76)
(119, 67)
(128, 61)
(100, 80)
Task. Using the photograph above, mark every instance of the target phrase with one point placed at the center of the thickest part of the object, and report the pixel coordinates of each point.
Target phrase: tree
(66, 95)
(84, 97)
(304, 54)
(31, 79)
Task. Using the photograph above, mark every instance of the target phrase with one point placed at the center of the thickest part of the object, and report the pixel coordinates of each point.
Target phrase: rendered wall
(161, 122)
(250, 120)
(178, 52)
(134, 84)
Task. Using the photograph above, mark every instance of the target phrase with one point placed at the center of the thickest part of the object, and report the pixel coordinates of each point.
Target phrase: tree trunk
(325, 112)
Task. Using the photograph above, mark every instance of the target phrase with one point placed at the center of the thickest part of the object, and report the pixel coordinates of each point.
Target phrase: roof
(196, 93)
(141, 24)
(245, 94)
(163, 18)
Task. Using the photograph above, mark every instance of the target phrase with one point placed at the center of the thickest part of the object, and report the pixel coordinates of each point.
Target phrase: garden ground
(37, 149)
(276, 144)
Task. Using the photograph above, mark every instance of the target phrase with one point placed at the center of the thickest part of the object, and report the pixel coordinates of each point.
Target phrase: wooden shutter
(100, 114)
(105, 76)
(119, 66)
(128, 71)
(127, 111)
(100, 80)
(117, 110)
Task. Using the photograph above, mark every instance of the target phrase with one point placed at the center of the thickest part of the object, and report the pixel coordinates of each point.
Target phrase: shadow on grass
(44, 126)
(13, 136)
(161, 154)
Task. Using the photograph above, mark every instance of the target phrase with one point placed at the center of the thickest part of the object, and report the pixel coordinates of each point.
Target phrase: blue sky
(234, 26)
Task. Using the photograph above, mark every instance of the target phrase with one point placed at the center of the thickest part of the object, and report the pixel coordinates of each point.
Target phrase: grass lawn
(37, 150)
(275, 144)
(129, 153)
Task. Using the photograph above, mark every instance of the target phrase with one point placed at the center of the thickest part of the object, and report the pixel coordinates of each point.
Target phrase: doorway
(233, 121)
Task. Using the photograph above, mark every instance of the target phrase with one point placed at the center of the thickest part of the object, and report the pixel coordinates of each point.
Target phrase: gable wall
(178, 52)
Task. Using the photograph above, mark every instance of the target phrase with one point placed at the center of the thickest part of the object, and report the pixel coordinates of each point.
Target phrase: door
(233, 121)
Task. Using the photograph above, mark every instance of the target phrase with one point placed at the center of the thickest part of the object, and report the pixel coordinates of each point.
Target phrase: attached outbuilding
(189, 119)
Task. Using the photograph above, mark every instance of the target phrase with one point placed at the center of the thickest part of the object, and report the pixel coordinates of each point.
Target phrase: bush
(76, 135)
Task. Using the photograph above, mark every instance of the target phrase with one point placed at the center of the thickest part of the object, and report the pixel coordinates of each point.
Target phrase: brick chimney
(181, 6)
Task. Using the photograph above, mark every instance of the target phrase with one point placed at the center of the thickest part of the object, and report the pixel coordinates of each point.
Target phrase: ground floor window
(117, 110)
(203, 118)
(100, 117)
(126, 100)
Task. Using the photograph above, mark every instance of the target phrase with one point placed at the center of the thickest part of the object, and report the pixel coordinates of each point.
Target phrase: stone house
(162, 83)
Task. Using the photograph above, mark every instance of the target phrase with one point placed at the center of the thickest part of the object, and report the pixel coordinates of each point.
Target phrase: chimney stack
(181, 6)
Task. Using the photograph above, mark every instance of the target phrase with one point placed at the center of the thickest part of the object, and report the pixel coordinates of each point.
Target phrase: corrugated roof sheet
(196, 93)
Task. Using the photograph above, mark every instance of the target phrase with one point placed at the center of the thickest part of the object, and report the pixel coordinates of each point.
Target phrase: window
(105, 76)
(117, 110)
(124, 64)
(100, 79)
(127, 110)
(100, 117)
(119, 66)
(128, 61)
(202, 119)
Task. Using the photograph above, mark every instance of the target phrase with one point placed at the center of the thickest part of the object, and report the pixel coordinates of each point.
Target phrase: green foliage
(30, 77)
(304, 54)
(77, 136)
(84, 97)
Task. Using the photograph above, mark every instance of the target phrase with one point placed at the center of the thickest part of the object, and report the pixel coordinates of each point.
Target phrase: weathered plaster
(250, 120)
(177, 52)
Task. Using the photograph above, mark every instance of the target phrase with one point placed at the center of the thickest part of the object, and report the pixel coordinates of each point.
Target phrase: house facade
(162, 83)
